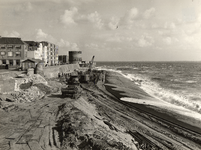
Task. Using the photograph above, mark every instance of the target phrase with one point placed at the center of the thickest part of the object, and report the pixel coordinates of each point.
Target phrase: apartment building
(63, 59)
(44, 50)
(12, 51)
(35, 50)
(50, 53)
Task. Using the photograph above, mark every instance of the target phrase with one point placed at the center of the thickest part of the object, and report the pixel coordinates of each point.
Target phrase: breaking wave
(189, 101)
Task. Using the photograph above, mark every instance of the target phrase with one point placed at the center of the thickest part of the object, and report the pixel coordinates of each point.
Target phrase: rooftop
(10, 40)
(32, 43)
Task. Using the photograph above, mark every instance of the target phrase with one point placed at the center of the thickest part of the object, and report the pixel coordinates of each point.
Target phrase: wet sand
(145, 108)
(173, 117)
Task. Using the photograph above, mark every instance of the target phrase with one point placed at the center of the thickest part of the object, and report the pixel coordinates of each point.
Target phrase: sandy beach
(130, 93)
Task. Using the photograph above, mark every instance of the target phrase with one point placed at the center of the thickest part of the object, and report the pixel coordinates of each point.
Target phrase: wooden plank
(37, 134)
(16, 134)
(45, 121)
(24, 139)
(44, 140)
(34, 145)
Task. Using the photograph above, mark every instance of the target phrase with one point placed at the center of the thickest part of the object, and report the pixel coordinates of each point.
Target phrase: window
(3, 53)
(10, 54)
(10, 46)
(18, 47)
(11, 62)
(3, 61)
(3, 47)
(17, 54)
(18, 62)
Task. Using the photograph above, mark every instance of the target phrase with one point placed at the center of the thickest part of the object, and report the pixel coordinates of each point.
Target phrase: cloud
(169, 25)
(63, 43)
(118, 38)
(74, 47)
(22, 8)
(66, 44)
(68, 17)
(11, 34)
(168, 40)
(130, 16)
(149, 13)
(42, 36)
(92, 45)
(74, 2)
(145, 41)
(113, 24)
(95, 19)
(72, 17)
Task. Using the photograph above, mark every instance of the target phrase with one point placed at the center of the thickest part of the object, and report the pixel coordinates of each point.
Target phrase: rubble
(28, 95)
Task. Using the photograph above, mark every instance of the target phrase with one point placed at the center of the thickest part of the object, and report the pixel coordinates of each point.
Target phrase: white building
(35, 50)
(45, 51)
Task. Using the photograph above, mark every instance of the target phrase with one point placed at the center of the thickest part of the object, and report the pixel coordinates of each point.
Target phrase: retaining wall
(52, 71)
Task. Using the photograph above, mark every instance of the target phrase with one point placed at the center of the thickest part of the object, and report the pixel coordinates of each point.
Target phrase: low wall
(52, 71)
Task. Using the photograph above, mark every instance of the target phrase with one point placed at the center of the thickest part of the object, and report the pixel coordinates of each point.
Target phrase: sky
(111, 30)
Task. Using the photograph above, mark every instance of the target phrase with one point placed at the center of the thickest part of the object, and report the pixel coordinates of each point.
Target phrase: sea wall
(8, 82)
(52, 71)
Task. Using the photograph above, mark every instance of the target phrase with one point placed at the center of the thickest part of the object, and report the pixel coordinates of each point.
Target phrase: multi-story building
(12, 51)
(35, 50)
(50, 53)
(45, 51)
(63, 59)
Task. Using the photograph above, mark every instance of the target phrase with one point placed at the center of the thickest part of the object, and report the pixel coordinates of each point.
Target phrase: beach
(111, 114)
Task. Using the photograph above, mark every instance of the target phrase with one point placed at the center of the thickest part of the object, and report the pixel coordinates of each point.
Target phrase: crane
(91, 63)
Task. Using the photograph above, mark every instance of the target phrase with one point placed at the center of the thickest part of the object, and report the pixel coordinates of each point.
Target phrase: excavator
(85, 76)
(73, 89)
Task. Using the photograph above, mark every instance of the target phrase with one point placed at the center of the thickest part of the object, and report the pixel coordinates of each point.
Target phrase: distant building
(12, 51)
(75, 57)
(50, 53)
(63, 59)
(35, 50)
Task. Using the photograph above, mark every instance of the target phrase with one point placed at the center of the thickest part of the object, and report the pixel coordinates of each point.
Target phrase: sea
(178, 83)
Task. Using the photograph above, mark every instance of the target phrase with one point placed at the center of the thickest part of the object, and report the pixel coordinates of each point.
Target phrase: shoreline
(118, 93)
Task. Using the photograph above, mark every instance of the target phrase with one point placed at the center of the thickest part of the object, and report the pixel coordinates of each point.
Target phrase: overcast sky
(112, 30)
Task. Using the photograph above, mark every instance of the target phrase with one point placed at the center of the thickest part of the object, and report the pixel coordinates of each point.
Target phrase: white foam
(165, 106)
(153, 89)
(191, 81)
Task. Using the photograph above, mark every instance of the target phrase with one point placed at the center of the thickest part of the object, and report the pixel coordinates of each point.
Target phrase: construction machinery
(73, 88)
(86, 76)
(91, 63)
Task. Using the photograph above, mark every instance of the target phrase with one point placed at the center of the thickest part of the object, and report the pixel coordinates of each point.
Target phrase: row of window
(11, 47)
(11, 62)
(11, 54)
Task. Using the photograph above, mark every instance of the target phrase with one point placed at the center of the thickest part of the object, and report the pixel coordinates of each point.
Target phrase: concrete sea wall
(8, 83)
(52, 71)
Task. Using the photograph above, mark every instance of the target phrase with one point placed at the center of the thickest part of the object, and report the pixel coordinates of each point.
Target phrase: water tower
(75, 57)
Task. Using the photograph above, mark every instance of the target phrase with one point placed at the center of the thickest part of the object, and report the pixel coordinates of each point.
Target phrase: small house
(30, 63)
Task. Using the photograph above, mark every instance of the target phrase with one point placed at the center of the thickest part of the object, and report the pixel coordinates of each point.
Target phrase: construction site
(71, 107)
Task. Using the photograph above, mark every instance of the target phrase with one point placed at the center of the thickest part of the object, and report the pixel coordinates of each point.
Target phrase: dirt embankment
(56, 122)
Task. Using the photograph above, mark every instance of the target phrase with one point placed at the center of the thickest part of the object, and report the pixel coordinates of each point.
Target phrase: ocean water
(178, 83)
